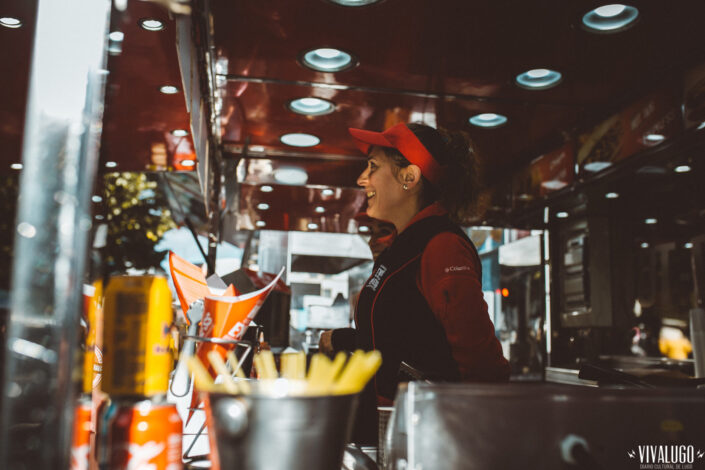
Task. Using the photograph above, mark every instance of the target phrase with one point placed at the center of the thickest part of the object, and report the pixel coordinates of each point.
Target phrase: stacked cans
(139, 429)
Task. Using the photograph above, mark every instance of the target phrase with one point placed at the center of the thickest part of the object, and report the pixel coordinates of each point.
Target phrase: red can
(81, 444)
(144, 435)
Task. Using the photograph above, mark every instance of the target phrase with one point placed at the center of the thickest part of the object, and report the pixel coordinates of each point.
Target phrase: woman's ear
(411, 175)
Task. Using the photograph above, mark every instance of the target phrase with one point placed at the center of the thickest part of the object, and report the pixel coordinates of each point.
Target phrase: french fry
(266, 367)
(288, 366)
(359, 370)
(201, 377)
(300, 361)
(221, 369)
(317, 373)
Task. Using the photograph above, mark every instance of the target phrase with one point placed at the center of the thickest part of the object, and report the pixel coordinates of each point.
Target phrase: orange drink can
(145, 434)
(137, 316)
(81, 443)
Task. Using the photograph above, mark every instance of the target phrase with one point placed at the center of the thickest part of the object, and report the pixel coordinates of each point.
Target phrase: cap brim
(365, 139)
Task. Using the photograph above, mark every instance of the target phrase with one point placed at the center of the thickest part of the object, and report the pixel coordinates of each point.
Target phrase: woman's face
(382, 186)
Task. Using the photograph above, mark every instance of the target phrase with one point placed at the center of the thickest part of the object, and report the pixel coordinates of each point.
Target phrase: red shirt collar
(434, 209)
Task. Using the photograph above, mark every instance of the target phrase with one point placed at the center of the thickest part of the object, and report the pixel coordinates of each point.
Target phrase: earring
(404, 186)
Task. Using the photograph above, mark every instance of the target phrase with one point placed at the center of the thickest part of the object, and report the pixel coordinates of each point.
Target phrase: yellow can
(137, 321)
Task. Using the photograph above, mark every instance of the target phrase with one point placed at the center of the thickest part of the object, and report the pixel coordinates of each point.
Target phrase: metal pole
(60, 152)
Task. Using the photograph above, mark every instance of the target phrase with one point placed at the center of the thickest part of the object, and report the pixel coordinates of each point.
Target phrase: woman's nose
(362, 179)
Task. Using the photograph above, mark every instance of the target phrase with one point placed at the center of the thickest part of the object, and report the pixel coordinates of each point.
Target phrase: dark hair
(459, 186)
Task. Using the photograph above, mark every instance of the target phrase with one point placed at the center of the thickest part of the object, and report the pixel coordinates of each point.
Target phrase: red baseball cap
(405, 141)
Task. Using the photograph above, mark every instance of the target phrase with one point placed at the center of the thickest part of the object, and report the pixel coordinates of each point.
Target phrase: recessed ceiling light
(150, 24)
(654, 138)
(701, 126)
(488, 120)
(290, 175)
(179, 132)
(187, 163)
(10, 22)
(562, 215)
(688, 245)
(96, 198)
(354, 3)
(263, 206)
(594, 167)
(682, 169)
(612, 195)
(297, 139)
(266, 188)
(16, 166)
(320, 209)
(255, 149)
(110, 164)
(116, 36)
(650, 221)
(539, 79)
(99, 217)
(169, 90)
(260, 223)
(312, 226)
(327, 59)
(327, 192)
(610, 18)
(364, 228)
(311, 106)
(644, 245)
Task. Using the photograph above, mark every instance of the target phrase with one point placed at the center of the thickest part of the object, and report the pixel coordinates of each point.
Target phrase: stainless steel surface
(59, 154)
(559, 375)
(475, 426)
(355, 458)
(260, 432)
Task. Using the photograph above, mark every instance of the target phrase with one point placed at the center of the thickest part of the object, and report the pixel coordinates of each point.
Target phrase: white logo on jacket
(373, 283)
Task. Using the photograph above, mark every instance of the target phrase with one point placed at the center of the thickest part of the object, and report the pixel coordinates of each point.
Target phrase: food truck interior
(227, 120)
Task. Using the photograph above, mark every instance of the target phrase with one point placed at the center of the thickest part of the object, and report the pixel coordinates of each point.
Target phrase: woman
(423, 304)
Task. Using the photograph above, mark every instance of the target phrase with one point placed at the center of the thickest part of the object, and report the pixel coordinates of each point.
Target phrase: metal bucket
(258, 431)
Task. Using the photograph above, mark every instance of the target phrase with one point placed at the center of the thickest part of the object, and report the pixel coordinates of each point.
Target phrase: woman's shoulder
(449, 252)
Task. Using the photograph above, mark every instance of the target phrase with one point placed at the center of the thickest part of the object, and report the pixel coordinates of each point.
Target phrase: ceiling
(440, 62)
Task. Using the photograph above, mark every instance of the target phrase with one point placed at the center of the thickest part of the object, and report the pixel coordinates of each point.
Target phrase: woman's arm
(450, 280)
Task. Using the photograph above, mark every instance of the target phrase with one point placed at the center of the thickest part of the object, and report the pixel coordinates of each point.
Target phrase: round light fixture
(644, 245)
(116, 36)
(320, 209)
(297, 139)
(562, 215)
(110, 164)
(16, 166)
(488, 120)
(187, 163)
(311, 106)
(612, 195)
(312, 226)
(682, 169)
(594, 167)
(650, 221)
(610, 18)
(260, 223)
(263, 206)
(179, 132)
(688, 245)
(150, 24)
(169, 90)
(353, 3)
(539, 79)
(266, 188)
(654, 138)
(327, 59)
(327, 192)
(96, 198)
(364, 229)
(9, 22)
(290, 175)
